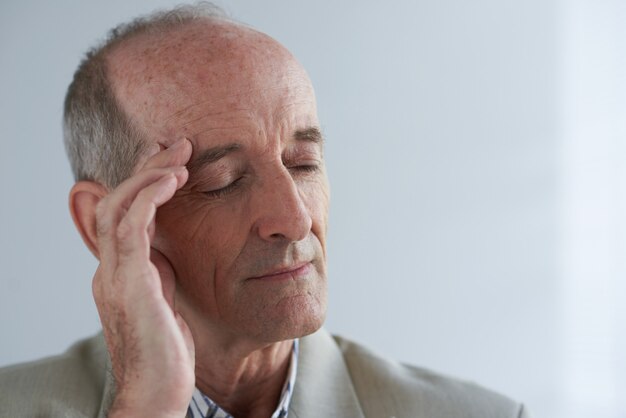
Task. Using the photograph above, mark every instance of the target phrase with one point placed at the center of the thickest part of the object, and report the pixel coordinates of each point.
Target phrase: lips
(285, 272)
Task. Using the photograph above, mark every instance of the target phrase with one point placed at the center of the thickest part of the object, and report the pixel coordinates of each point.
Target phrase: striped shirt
(203, 407)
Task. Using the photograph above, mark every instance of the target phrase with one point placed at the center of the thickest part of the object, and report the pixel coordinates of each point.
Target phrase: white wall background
(476, 153)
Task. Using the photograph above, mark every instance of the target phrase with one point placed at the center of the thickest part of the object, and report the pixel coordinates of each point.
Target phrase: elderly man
(202, 191)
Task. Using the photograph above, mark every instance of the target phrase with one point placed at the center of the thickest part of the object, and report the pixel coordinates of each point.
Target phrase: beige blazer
(336, 378)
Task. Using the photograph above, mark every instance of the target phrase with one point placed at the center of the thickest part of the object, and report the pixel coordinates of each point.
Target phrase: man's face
(246, 234)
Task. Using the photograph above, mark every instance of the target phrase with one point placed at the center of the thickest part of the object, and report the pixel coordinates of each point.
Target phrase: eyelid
(222, 191)
(302, 158)
(305, 168)
(302, 153)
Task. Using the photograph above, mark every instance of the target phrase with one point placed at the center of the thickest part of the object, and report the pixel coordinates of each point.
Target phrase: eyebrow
(211, 155)
(312, 134)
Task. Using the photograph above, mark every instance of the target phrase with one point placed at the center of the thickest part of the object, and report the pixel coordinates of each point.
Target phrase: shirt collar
(203, 407)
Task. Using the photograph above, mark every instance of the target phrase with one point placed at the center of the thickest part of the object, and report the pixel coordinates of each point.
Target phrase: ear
(84, 197)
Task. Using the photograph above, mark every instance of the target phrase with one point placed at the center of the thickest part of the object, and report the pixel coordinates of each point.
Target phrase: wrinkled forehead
(208, 67)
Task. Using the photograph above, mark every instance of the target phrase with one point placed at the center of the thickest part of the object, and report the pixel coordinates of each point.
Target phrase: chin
(306, 324)
(293, 317)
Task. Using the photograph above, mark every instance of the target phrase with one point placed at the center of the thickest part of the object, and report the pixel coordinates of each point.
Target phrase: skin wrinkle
(277, 217)
(203, 219)
(211, 156)
(247, 111)
(197, 105)
(212, 100)
(211, 129)
(244, 378)
(200, 118)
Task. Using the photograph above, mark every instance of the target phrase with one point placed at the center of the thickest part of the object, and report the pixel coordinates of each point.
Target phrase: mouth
(293, 272)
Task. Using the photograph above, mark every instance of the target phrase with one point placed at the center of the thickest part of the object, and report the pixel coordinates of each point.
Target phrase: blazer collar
(323, 384)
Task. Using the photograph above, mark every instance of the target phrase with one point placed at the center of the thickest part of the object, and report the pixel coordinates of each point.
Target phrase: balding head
(101, 141)
(245, 234)
(167, 83)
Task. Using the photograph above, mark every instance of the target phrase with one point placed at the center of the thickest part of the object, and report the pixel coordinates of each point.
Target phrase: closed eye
(221, 192)
(305, 168)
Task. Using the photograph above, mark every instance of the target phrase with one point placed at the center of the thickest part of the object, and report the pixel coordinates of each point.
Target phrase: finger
(176, 154)
(133, 245)
(115, 205)
(96, 286)
(167, 275)
(102, 298)
(187, 335)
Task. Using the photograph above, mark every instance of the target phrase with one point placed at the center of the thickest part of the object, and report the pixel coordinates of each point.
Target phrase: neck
(244, 379)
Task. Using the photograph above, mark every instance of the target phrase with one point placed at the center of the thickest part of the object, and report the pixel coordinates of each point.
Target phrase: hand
(151, 346)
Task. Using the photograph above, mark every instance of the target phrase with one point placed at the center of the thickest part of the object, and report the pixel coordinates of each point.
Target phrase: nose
(283, 214)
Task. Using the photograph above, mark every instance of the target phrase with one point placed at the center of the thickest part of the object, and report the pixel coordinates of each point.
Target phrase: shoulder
(68, 385)
(389, 388)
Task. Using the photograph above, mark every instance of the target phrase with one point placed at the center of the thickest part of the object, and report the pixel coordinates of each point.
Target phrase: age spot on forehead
(169, 83)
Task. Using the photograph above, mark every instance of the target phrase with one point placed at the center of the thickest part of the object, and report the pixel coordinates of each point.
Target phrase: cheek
(317, 198)
(201, 241)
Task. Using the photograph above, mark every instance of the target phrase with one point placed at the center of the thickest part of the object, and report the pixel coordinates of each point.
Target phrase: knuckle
(97, 284)
(102, 228)
(96, 288)
(119, 276)
(103, 218)
(101, 207)
(124, 230)
(149, 193)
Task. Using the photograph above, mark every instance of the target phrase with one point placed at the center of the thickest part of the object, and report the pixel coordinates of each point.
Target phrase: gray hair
(101, 142)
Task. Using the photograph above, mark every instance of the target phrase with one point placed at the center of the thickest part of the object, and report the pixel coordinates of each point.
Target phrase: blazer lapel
(323, 385)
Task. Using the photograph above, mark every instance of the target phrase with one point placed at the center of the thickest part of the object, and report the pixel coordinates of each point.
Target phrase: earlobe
(83, 200)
